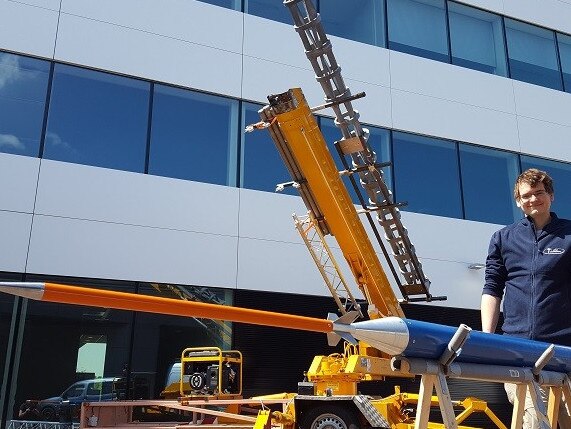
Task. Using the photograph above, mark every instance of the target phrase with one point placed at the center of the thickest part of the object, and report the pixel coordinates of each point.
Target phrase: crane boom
(354, 144)
(301, 141)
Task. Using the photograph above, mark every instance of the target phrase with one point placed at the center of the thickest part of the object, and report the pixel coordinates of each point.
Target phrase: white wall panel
(268, 216)
(81, 248)
(14, 236)
(262, 78)
(554, 14)
(18, 179)
(44, 4)
(84, 192)
(542, 103)
(138, 53)
(496, 6)
(440, 80)
(453, 120)
(29, 29)
(375, 108)
(192, 21)
(278, 267)
(273, 41)
(462, 286)
(361, 62)
(545, 139)
(453, 240)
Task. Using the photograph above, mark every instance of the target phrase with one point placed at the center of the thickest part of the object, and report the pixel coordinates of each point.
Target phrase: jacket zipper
(533, 264)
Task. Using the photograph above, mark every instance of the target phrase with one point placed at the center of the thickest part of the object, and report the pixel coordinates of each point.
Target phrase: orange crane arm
(302, 144)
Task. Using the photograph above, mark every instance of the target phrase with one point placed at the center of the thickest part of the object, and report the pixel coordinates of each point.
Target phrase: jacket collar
(526, 221)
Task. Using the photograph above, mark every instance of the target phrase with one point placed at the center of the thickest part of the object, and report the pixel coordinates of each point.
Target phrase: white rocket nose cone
(389, 334)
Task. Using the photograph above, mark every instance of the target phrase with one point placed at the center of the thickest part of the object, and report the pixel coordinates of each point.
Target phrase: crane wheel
(329, 417)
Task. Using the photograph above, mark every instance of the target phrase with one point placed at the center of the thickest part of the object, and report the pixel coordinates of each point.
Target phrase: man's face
(534, 201)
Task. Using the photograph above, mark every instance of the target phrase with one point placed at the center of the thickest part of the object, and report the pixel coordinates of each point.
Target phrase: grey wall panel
(453, 120)
(84, 192)
(191, 21)
(276, 266)
(546, 104)
(28, 29)
(139, 53)
(544, 139)
(14, 236)
(436, 79)
(555, 14)
(18, 179)
(82, 248)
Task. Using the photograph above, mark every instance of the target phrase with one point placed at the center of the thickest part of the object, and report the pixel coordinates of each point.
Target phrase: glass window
(262, 165)
(487, 184)
(230, 4)
(532, 54)
(426, 175)
(379, 140)
(560, 172)
(270, 9)
(564, 43)
(193, 136)
(360, 20)
(477, 39)
(97, 119)
(23, 87)
(160, 339)
(8, 338)
(57, 332)
(418, 27)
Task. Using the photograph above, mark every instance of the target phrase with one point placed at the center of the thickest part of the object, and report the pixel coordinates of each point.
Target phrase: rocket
(394, 336)
(415, 339)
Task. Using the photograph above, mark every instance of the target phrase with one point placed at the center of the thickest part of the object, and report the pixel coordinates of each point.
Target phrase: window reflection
(193, 136)
(426, 175)
(564, 42)
(262, 165)
(97, 119)
(532, 54)
(270, 9)
(23, 87)
(418, 27)
(487, 181)
(477, 39)
(561, 174)
(360, 20)
(379, 140)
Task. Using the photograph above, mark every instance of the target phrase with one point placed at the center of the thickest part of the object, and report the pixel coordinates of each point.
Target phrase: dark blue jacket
(535, 275)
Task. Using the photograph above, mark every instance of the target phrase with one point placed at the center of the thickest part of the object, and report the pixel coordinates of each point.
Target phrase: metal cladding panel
(429, 340)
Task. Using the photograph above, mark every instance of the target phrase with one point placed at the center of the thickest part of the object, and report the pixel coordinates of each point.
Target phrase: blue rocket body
(416, 339)
(429, 341)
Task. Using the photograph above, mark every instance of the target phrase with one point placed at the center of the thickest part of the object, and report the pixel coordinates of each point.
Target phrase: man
(529, 264)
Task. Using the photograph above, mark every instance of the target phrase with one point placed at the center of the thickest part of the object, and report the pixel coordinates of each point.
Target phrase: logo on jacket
(554, 251)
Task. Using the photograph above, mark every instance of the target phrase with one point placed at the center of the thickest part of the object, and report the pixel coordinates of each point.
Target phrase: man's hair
(533, 177)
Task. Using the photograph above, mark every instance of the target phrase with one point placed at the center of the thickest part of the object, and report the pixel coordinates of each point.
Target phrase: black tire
(48, 414)
(329, 417)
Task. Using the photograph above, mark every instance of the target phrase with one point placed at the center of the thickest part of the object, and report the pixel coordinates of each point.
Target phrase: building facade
(124, 165)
